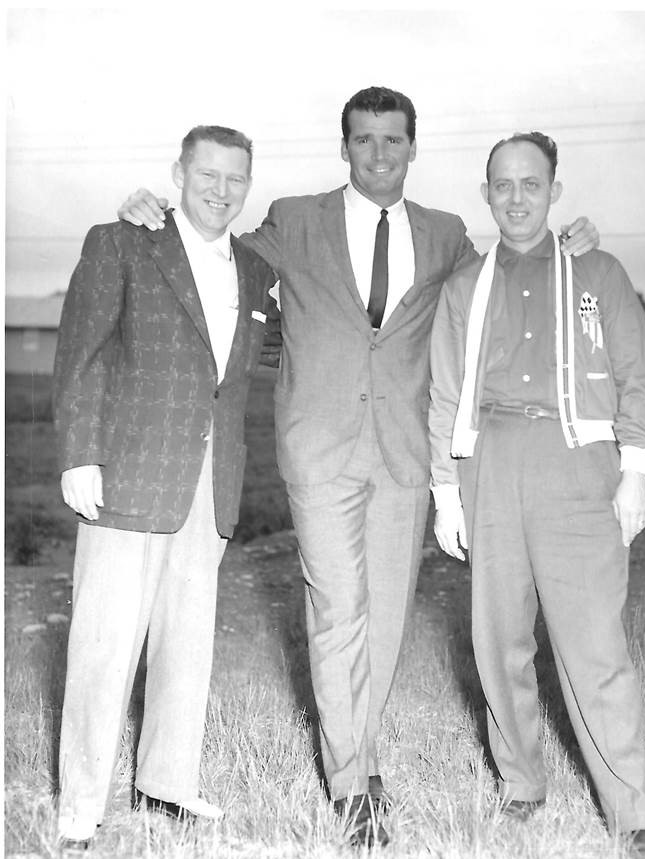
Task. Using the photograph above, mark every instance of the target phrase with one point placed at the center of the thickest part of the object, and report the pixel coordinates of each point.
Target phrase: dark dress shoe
(361, 826)
(522, 809)
(637, 844)
(68, 848)
(143, 802)
(380, 798)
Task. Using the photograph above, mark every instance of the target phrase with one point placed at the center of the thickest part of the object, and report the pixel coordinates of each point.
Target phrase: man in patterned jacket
(159, 337)
(537, 425)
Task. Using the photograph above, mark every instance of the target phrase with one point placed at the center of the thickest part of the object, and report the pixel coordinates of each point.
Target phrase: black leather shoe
(69, 848)
(361, 825)
(380, 798)
(143, 802)
(521, 809)
(637, 843)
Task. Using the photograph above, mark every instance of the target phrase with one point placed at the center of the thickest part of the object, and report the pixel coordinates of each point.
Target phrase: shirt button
(373, 346)
(363, 397)
(526, 377)
(528, 335)
(526, 293)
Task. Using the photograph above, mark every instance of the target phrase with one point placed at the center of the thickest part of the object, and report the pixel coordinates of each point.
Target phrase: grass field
(259, 762)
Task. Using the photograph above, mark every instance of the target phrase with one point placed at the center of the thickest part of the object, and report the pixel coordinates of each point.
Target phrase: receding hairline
(518, 142)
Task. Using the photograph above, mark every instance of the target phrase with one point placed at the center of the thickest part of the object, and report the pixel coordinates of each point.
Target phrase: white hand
(82, 489)
(450, 529)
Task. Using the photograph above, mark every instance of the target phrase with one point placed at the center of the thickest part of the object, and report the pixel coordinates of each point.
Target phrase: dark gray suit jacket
(135, 380)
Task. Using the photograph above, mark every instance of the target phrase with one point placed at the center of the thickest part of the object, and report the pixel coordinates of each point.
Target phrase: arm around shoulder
(267, 239)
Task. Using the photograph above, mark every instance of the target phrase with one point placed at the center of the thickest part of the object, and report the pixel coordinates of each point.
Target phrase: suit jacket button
(363, 397)
(204, 436)
(216, 395)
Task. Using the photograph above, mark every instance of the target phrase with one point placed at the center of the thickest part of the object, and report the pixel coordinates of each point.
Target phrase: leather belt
(532, 412)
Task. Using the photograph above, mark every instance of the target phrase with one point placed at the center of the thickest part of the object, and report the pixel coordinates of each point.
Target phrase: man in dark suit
(360, 272)
(159, 337)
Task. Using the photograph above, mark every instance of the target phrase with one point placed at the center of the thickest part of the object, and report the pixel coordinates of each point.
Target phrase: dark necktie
(378, 290)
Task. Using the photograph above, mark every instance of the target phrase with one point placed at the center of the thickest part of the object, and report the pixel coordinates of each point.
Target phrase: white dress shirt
(213, 267)
(361, 219)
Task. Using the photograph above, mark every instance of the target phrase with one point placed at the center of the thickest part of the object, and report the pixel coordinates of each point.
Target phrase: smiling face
(378, 151)
(214, 183)
(520, 193)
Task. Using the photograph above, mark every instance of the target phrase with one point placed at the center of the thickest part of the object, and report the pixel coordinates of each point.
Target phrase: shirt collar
(362, 206)
(543, 250)
(190, 236)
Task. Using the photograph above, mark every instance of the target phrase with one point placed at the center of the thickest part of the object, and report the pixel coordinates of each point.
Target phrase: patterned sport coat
(135, 381)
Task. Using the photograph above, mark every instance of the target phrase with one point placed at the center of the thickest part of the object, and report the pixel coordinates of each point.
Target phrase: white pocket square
(261, 317)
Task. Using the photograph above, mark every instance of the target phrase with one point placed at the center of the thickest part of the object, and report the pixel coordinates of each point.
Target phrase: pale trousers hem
(76, 827)
(164, 791)
(518, 792)
(128, 585)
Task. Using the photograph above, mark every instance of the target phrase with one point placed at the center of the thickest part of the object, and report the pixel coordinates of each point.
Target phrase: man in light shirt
(159, 336)
(537, 425)
(360, 271)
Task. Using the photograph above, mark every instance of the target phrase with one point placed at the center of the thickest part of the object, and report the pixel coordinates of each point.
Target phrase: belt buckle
(532, 412)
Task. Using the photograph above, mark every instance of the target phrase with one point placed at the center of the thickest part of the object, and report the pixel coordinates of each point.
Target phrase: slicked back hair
(380, 99)
(542, 141)
(229, 137)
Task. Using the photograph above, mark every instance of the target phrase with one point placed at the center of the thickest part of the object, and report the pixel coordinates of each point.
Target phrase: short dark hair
(380, 99)
(542, 141)
(214, 134)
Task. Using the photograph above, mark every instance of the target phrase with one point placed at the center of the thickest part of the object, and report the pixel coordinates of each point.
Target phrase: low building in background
(31, 328)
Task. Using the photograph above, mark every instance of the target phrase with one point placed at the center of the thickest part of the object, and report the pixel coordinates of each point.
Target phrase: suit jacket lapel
(333, 221)
(425, 261)
(168, 252)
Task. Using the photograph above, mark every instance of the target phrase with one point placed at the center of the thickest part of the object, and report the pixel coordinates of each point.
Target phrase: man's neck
(523, 247)
(354, 191)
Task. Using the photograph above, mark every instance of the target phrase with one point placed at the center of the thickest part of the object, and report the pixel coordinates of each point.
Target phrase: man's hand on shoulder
(144, 209)
(82, 489)
(629, 505)
(581, 236)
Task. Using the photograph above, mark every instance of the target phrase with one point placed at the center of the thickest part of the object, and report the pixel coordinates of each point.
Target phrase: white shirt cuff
(446, 494)
(632, 458)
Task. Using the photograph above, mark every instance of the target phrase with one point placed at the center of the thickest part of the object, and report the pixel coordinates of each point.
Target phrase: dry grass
(259, 761)
(259, 764)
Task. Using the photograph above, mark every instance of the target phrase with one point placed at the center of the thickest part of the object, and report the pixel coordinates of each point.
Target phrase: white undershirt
(361, 219)
(213, 267)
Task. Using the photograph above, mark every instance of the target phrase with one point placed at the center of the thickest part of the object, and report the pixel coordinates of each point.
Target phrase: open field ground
(259, 762)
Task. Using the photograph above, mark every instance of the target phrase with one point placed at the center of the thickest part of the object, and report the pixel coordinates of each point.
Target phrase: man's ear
(556, 190)
(484, 191)
(177, 173)
(344, 154)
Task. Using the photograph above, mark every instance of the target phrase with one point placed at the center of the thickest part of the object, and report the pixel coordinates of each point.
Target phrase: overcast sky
(98, 101)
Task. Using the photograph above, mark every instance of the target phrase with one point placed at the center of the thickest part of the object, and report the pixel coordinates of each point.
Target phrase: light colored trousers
(127, 584)
(360, 538)
(541, 525)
